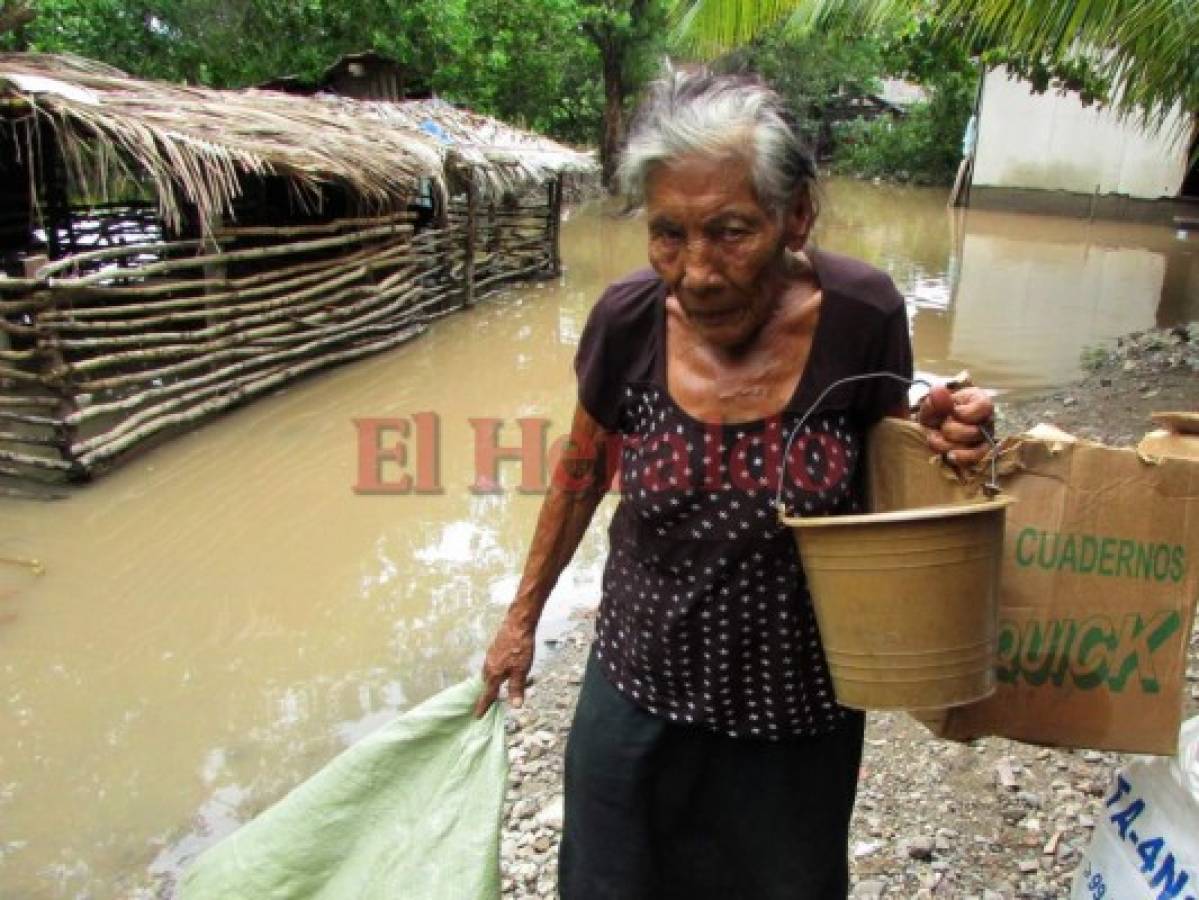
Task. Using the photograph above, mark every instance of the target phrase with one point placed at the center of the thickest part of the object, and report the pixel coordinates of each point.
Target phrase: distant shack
(362, 76)
(168, 252)
(1052, 153)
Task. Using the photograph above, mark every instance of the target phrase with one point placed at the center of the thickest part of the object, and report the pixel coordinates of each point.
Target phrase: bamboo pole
(325, 293)
(177, 343)
(244, 389)
(38, 462)
(214, 271)
(510, 276)
(248, 286)
(244, 255)
(96, 363)
(19, 330)
(554, 225)
(326, 228)
(27, 401)
(323, 280)
(18, 375)
(281, 320)
(19, 355)
(287, 310)
(41, 421)
(34, 439)
(134, 378)
(472, 223)
(136, 400)
(18, 286)
(377, 255)
(51, 269)
(400, 297)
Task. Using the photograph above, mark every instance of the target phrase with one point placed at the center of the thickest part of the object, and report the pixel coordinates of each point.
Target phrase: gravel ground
(987, 820)
(1137, 375)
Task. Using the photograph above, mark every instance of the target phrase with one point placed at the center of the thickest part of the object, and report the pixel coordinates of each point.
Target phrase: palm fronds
(1147, 49)
(191, 144)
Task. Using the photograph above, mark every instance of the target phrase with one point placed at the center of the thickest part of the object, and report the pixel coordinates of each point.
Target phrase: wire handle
(778, 498)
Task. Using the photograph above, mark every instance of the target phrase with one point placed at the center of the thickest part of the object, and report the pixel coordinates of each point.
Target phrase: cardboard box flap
(1099, 578)
(1178, 422)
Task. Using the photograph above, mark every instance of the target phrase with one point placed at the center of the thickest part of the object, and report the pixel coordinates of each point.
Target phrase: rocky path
(990, 820)
(1136, 375)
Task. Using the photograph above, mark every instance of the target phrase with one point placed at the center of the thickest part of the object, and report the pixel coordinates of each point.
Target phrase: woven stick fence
(106, 349)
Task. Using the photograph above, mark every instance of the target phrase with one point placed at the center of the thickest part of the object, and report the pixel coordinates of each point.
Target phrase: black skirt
(657, 810)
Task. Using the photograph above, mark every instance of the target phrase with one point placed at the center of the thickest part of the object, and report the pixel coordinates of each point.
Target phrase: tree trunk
(613, 122)
(14, 16)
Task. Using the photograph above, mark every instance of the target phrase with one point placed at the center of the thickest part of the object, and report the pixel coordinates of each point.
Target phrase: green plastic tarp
(413, 810)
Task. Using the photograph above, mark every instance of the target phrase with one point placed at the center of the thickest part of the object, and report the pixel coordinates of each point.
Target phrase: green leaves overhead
(709, 28)
(1147, 50)
(528, 62)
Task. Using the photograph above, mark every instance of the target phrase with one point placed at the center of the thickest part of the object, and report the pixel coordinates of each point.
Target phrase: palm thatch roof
(192, 144)
(506, 157)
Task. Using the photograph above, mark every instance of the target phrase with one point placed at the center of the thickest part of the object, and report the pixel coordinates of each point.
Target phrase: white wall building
(1051, 142)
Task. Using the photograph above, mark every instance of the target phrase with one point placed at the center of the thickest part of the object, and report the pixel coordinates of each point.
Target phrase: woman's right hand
(957, 421)
(576, 489)
(508, 659)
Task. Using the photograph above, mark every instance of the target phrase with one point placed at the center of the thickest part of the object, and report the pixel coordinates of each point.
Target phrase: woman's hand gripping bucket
(907, 600)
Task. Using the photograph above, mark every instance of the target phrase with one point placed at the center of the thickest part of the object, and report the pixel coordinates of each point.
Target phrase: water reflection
(1029, 302)
(222, 615)
(1013, 298)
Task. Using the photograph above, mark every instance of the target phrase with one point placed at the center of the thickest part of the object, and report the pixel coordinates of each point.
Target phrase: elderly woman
(708, 756)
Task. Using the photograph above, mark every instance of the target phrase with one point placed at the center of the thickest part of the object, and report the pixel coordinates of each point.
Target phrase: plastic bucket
(907, 602)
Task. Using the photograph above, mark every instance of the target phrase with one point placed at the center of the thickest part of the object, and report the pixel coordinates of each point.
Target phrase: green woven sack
(413, 810)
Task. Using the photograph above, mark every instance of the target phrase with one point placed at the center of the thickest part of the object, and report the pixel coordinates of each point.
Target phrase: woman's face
(722, 254)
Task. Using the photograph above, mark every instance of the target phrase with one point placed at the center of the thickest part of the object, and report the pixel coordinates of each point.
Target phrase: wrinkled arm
(579, 482)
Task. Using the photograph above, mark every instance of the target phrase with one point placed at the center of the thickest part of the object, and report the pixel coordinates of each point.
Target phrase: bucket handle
(907, 382)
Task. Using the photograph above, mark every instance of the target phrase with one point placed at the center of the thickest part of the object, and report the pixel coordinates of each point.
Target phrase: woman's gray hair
(719, 116)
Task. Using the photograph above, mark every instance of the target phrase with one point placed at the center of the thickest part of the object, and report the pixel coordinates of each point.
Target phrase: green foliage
(1142, 54)
(1092, 359)
(928, 141)
(813, 73)
(909, 149)
(529, 62)
(627, 35)
(818, 71)
(243, 42)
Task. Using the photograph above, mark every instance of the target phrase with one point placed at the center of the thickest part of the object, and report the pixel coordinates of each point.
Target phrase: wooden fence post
(554, 224)
(472, 225)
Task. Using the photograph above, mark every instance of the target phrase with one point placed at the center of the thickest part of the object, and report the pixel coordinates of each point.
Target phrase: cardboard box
(1098, 584)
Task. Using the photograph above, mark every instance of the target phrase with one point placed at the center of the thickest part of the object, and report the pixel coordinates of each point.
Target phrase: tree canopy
(531, 67)
(1143, 55)
(573, 68)
(564, 67)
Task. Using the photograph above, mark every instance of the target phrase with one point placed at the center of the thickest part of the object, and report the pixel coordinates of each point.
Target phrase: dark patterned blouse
(705, 617)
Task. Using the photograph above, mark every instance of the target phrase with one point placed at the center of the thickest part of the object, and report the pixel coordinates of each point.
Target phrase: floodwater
(217, 618)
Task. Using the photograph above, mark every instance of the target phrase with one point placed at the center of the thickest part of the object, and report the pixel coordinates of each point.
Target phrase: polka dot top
(705, 618)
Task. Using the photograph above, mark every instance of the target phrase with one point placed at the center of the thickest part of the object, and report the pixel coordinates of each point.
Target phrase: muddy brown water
(221, 615)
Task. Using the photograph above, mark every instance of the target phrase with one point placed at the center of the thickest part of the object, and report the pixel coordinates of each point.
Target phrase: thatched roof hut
(366, 75)
(192, 143)
(507, 158)
(169, 252)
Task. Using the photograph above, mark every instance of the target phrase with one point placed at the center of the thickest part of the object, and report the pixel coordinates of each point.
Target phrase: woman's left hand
(954, 422)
